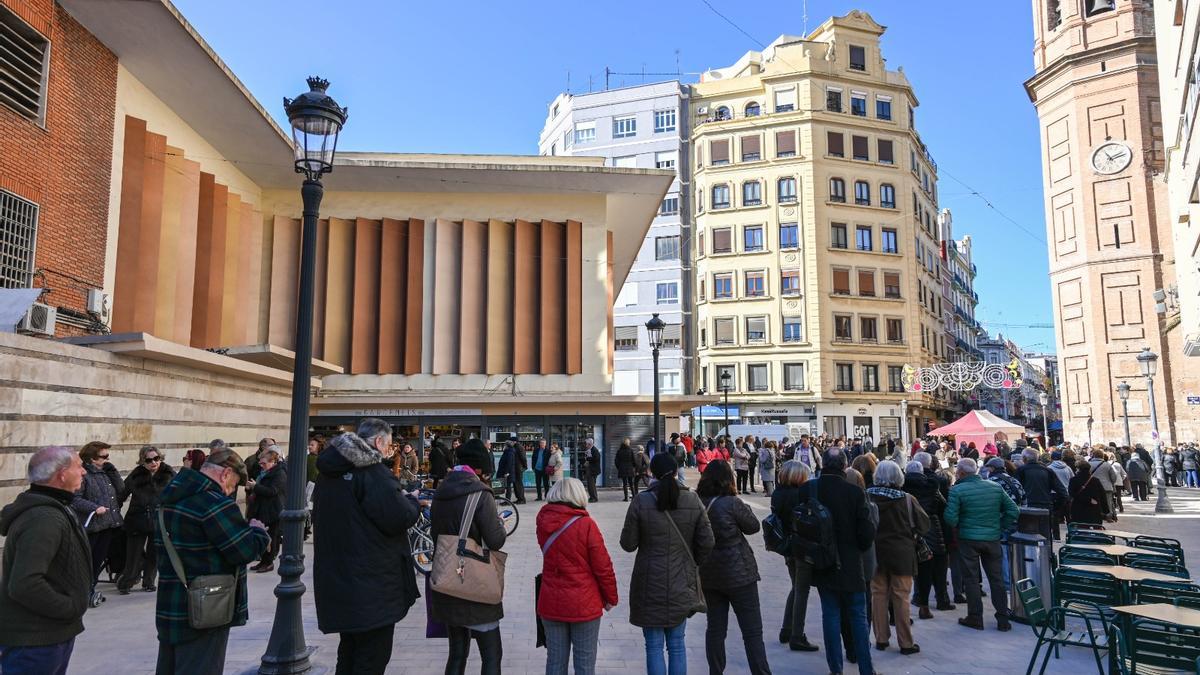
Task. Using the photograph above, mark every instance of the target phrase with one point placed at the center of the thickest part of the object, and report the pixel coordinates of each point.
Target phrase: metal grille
(22, 66)
(18, 238)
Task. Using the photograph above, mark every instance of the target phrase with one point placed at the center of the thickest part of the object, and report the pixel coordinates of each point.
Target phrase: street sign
(1193, 400)
(1154, 435)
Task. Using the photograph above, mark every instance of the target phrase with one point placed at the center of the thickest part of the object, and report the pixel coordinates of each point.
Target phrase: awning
(714, 411)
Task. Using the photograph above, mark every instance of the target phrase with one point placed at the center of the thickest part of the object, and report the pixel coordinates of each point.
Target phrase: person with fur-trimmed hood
(363, 575)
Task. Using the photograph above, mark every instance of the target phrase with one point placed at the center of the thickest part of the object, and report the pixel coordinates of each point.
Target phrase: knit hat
(473, 454)
(995, 463)
(662, 465)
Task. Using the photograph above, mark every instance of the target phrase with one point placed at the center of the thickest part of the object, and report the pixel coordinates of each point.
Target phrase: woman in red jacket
(578, 584)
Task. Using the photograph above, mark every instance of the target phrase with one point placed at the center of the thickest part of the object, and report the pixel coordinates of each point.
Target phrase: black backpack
(813, 533)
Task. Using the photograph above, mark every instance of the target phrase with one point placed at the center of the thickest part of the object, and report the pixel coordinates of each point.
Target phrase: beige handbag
(465, 569)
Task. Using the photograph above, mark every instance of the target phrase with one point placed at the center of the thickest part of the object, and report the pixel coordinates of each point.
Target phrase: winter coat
(973, 506)
(731, 564)
(144, 487)
(895, 549)
(1011, 486)
(766, 465)
(1089, 503)
(1103, 471)
(555, 462)
(46, 572)
(409, 466)
(363, 575)
(1189, 460)
(101, 487)
(1137, 470)
(577, 573)
(269, 491)
(1064, 472)
(663, 587)
(741, 459)
(211, 537)
(449, 504)
(441, 459)
(641, 463)
(703, 457)
(1043, 489)
(624, 461)
(595, 462)
(929, 496)
(853, 528)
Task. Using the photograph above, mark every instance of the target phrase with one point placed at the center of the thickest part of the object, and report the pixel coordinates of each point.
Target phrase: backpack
(813, 533)
(776, 537)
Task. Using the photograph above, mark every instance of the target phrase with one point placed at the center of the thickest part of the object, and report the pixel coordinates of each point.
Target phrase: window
(866, 283)
(887, 241)
(720, 196)
(628, 296)
(719, 152)
(870, 378)
(862, 237)
(887, 196)
(624, 127)
(858, 145)
(700, 250)
(793, 377)
(793, 329)
(700, 290)
(756, 330)
(891, 284)
(862, 193)
(885, 152)
(756, 284)
(785, 143)
(883, 107)
(835, 143)
(553, 149)
(668, 381)
(672, 336)
(790, 282)
(626, 161)
(843, 328)
(868, 329)
(722, 113)
(567, 139)
(18, 237)
(837, 235)
(666, 160)
(585, 132)
(785, 100)
(664, 120)
(787, 189)
(1094, 7)
(912, 118)
(721, 372)
(751, 148)
(841, 281)
(667, 293)
(833, 99)
(837, 190)
(753, 109)
(752, 238)
(24, 66)
(895, 331)
(723, 329)
(858, 104)
(895, 378)
(625, 338)
(751, 193)
(666, 248)
(858, 58)
(756, 376)
(723, 286)
(670, 206)
(845, 377)
(789, 235)
(722, 240)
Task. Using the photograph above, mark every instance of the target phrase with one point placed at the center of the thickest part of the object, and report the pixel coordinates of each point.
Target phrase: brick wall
(65, 167)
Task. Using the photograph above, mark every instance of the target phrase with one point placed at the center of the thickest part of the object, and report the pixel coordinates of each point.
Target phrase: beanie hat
(663, 464)
(473, 454)
(995, 463)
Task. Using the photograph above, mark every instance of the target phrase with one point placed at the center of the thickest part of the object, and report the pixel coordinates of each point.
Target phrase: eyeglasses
(153, 460)
(101, 456)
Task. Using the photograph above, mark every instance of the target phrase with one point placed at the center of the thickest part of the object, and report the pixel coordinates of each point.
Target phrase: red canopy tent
(980, 427)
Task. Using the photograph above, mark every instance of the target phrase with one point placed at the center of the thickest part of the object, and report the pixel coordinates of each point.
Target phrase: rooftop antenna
(568, 81)
(607, 73)
(805, 17)
(677, 70)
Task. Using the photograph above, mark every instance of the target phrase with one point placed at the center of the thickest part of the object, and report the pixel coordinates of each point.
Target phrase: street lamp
(1044, 399)
(1149, 363)
(701, 392)
(654, 328)
(1123, 393)
(316, 119)
(1090, 422)
(904, 423)
(725, 377)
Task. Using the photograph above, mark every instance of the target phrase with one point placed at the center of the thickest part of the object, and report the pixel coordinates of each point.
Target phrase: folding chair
(1153, 563)
(1161, 544)
(1159, 646)
(1089, 537)
(1182, 594)
(1069, 555)
(1048, 627)
(1092, 593)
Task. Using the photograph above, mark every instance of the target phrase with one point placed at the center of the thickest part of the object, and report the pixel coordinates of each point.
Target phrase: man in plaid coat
(211, 537)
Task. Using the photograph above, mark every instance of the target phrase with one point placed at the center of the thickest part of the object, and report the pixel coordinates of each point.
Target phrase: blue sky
(475, 77)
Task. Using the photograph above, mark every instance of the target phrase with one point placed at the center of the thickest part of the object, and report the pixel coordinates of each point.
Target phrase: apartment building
(818, 272)
(959, 300)
(639, 127)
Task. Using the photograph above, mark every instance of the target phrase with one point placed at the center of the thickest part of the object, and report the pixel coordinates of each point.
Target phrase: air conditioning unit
(97, 303)
(702, 110)
(39, 320)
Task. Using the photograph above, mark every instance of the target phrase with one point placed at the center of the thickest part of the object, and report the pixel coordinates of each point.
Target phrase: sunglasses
(101, 456)
(153, 460)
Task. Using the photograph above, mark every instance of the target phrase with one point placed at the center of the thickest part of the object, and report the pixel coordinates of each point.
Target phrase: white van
(767, 432)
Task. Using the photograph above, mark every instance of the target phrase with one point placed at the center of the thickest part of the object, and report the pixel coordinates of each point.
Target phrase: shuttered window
(860, 148)
(625, 338)
(719, 151)
(23, 67)
(836, 141)
(785, 143)
(866, 283)
(672, 336)
(841, 282)
(722, 240)
(785, 100)
(751, 148)
(885, 152)
(723, 328)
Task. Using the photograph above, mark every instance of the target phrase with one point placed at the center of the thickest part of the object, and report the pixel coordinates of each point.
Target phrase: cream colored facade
(1107, 218)
(816, 326)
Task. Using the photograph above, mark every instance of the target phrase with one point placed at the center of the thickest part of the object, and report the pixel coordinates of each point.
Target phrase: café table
(1120, 550)
(1129, 575)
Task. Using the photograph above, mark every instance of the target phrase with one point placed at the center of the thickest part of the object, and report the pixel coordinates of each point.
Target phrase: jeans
(796, 606)
(744, 601)
(956, 570)
(990, 554)
(204, 655)
(490, 650)
(566, 639)
(541, 483)
(141, 559)
(1190, 478)
(672, 640)
(768, 487)
(752, 472)
(46, 660)
(833, 605)
(365, 653)
(931, 574)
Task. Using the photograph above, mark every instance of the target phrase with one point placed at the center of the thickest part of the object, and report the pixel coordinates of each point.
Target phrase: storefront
(876, 421)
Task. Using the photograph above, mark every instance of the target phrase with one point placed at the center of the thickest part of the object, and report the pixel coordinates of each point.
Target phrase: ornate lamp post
(316, 120)
(654, 328)
(725, 388)
(1123, 393)
(1043, 398)
(1149, 362)
(904, 423)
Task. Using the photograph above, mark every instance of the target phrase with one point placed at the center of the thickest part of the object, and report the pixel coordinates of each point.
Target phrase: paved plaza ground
(120, 635)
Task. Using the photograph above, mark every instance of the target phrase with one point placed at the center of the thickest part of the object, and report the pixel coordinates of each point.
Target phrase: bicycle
(420, 541)
(505, 508)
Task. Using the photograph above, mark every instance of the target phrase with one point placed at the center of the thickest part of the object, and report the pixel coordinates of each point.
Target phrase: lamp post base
(1162, 503)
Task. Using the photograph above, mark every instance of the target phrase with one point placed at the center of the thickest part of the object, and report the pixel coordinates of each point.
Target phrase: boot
(924, 613)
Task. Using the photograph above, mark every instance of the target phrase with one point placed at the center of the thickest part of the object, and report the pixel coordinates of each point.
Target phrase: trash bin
(1035, 521)
(1028, 558)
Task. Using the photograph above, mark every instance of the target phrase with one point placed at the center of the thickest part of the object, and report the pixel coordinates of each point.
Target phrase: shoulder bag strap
(554, 537)
(912, 522)
(711, 502)
(171, 552)
(468, 515)
(686, 547)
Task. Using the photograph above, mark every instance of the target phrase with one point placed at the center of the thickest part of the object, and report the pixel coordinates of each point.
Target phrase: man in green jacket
(981, 511)
(47, 569)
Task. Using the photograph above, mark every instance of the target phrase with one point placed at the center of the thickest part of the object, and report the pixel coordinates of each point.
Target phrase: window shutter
(860, 146)
(722, 241)
(836, 144)
(866, 282)
(841, 281)
(672, 334)
(751, 145)
(885, 152)
(719, 151)
(785, 142)
(785, 97)
(724, 330)
(625, 332)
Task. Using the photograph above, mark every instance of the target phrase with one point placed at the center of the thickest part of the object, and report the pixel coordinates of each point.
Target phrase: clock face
(1111, 157)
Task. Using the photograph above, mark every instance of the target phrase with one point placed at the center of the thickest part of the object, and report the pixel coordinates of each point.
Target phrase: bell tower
(1107, 230)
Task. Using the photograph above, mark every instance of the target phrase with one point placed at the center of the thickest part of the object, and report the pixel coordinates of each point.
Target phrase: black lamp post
(1044, 398)
(1090, 422)
(1123, 393)
(1149, 363)
(654, 328)
(316, 119)
(725, 388)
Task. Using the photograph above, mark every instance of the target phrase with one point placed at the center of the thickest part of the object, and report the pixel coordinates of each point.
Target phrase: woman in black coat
(790, 487)
(625, 469)
(1089, 503)
(269, 492)
(144, 484)
(931, 574)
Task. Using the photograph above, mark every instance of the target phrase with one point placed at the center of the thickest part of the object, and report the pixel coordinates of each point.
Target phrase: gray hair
(915, 467)
(48, 461)
(888, 474)
(967, 466)
(568, 491)
(924, 458)
(371, 428)
(1030, 455)
(216, 443)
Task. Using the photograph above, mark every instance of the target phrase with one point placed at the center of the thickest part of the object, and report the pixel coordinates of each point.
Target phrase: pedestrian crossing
(1185, 503)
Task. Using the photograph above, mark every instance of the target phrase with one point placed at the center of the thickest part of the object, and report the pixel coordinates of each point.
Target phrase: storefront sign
(777, 411)
(1193, 400)
(714, 411)
(402, 412)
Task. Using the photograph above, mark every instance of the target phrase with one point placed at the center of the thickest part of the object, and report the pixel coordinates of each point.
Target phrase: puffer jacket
(929, 496)
(446, 514)
(577, 572)
(101, 487)
(1137, 470)
(662, 590)
(973, 506)
(731, 564)
(144, 487)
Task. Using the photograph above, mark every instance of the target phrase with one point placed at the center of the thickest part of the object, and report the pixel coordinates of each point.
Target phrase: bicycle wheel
(508, 514)
(422, 549)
